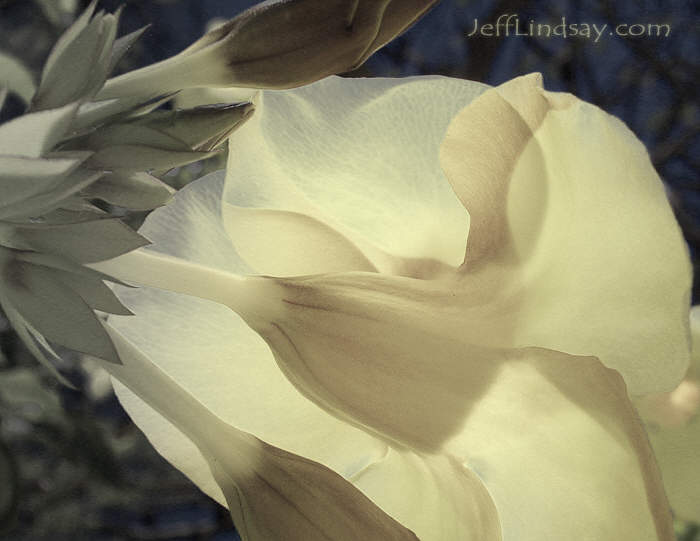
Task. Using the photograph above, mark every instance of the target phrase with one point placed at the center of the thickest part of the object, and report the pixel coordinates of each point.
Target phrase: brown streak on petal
(480, 151)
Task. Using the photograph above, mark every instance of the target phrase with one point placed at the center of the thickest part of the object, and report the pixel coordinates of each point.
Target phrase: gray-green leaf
(34, 134)
(83, 52)
(94, 292)
(135, 191)
(201, 128)
(21, 177)
(122, 45)
(84, 242)
(55, 310)
(132, 158)
(52, 197)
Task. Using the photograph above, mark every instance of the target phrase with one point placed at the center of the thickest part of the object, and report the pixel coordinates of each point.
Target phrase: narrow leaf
(132, 158)
(201, 128)
(71, 33)
(55, 310)
(135, 191)
(47, 200)
(132, 134)
(84, 242)
(94, 113)
(34, 134)
(122, 45)
(21, 177)
(107, 34)
(30, 339)
(94, 292)
(61, 263)
(75, 53)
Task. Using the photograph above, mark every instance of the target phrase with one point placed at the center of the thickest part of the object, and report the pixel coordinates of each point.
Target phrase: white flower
(457, 266)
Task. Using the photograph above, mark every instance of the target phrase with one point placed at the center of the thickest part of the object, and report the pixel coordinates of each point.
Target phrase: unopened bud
(278, 44)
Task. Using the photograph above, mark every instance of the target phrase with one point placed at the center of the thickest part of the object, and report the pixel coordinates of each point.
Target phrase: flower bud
(278, 44)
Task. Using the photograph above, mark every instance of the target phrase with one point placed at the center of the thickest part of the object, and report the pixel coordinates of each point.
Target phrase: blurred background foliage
(74, 467)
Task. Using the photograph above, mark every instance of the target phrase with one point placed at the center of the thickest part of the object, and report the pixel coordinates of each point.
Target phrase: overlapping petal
(360, 155)
(208, 350)
(673, 424)
(572, 240)
(273, 495)
(436, 366)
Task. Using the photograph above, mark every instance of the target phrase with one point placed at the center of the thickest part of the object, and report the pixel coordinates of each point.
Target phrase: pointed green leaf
(94, 292)
(72, 215)
(123, 44)
(31, 341)
(49, 199)
(55, 310)
(21, 177)
(142, 158)
(108, 32)
(84, 242)
(62, 50)
(71, 33)
(61, 263)
(131, 134)
(16, 78)
(201, 128)
(80, 57)
(94, 113)
(34, 134)
(135, 191)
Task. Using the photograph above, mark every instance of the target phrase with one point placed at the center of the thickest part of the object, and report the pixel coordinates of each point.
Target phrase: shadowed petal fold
(373, 173)
(231, 371)
(272, 494)
(673, 424)
(553, 437)
(572, 241)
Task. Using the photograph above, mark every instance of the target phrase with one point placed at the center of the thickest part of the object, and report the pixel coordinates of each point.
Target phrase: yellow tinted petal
(575, 245)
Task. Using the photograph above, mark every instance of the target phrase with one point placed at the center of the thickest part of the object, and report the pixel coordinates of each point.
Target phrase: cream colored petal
(212, 353)
(370, 349)
(359, 155)
(553, 437)
(562, 452)
(446, 501)
(678, 451)
(674, 431)
(585, 255)
(273, 495)
(480, 152)
(285, 243)
(432, 496)
(208, 350)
